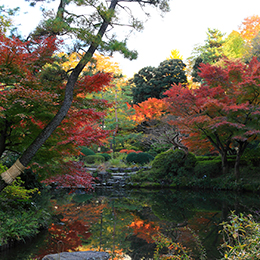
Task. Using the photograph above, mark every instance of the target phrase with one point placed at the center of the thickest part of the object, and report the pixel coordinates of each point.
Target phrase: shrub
(241, 237)
(3, 168)
(168, 164)
(105, 155)
(131, 157)
(140, 158)
(116, 162)
(23, 212)
(210, 168)
(16, 192)
(91, 159)
(86, 151)
(205, 158)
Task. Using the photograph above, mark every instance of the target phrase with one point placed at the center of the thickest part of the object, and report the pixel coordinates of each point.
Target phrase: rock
(85, 255)
(91, 169)
(118, 174)
(114, 169)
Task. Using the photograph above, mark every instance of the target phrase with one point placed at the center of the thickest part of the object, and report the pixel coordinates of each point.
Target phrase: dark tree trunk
(224, 162)
(223, 149)
(48, 130)
(3, 136)
(241, 148)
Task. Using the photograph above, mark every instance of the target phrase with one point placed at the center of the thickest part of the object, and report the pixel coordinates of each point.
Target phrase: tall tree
(210, 52)
(234, 46)
(90, 36)
(151, 82)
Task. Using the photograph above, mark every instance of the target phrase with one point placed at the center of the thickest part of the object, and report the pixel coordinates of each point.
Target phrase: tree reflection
(128, 226)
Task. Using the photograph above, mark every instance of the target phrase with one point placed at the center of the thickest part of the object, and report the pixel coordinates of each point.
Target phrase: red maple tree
(223, 112)
(31, 96)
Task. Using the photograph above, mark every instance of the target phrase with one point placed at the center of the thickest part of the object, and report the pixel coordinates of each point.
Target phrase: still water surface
(125, 222)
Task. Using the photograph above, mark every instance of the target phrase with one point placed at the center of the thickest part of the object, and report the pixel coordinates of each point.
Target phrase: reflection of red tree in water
(145, 230)
(73, 229)
(65, 237)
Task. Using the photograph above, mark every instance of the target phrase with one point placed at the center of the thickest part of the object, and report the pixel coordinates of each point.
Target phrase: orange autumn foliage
(150, 109)
(145, 230)
(250, 27)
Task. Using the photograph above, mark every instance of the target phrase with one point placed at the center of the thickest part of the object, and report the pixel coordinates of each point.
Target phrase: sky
(182, 28)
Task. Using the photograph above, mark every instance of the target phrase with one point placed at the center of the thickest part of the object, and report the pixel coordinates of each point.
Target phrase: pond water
(126, 222)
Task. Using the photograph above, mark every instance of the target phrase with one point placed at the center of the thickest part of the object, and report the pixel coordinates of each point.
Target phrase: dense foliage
(152, 82)
(171, 163)
(241, 235)
(223, 111)
(86, 151)
(23, 212)
(139, 158)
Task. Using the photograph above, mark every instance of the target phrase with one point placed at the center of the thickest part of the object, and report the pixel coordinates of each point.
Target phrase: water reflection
(125, 222)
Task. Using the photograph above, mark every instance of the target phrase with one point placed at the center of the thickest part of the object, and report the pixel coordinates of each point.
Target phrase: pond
(126, 222)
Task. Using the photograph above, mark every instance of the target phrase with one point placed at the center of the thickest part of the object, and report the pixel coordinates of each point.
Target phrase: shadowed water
(126, 222)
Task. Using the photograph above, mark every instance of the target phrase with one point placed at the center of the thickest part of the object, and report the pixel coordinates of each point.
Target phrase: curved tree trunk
(9, 176)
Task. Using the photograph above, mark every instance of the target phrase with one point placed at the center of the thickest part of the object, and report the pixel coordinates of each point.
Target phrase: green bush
(23, 212)
(140, 158)
(3, 168)
(91, 159)
(105, 155)
(168, 164)
(210, 168)
(241, 237)
(205, 158)
(86, 151)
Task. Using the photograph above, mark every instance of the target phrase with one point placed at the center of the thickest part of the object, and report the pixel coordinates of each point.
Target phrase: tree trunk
(3, 136)
(224, 162)
(15, 170)
(241, 148)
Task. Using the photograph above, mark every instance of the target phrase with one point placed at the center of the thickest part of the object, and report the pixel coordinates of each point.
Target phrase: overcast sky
(182, 28)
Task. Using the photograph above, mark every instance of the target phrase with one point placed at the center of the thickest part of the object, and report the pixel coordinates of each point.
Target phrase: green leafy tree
(234, 46)
(211, 52)
(88, 32)
(151, 82)
(252, 49)
(117, 116)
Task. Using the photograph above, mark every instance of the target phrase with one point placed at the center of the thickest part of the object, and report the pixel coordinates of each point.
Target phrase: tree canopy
(223, 111)
(151, 82)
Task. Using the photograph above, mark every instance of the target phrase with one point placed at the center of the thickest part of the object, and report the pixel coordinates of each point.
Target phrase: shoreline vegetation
(193, 172)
